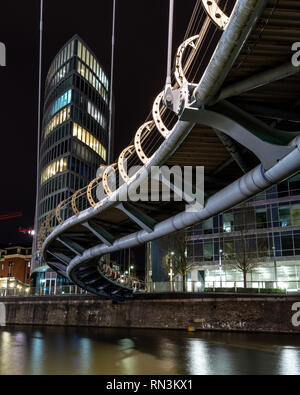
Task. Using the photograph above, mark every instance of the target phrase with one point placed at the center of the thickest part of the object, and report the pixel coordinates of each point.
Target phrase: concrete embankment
(246, 313)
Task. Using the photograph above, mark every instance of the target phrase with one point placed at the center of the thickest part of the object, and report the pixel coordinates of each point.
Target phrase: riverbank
(204, 312)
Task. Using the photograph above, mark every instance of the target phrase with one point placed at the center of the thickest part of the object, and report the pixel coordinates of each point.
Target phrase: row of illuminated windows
(80, 116)
(252, 247)
(77, 97)
(92, 79)
(58, 119)
(80, 150)
(61, 102)
(88, 139)
(256, 247)
(55, 152)
(97, 115)
(84, 54)
(62, 128)
(54, 168)
(56, 93)
(60, 59)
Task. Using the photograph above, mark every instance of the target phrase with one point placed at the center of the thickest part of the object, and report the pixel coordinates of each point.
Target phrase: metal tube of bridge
(38, 131)
(242, 21)
(257, 80)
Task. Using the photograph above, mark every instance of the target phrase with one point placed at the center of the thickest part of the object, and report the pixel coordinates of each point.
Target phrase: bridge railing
(263, 287)
(67, 290)
(223, 286)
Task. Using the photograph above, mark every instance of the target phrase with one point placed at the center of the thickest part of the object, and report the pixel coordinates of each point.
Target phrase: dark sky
(140, 72)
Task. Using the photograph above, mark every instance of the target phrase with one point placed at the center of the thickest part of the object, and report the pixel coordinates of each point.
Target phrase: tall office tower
(74, 136)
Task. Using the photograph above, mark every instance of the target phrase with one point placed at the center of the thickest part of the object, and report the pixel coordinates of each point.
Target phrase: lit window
(61, 102)
(79, 49)
(83, 136)
(87, 61)
(91, 78)
(96, 114)
(83, 53)
(88, 139)
(295, 214)
(75, 132)
(228, 222)
(57, 120)
(54, 168)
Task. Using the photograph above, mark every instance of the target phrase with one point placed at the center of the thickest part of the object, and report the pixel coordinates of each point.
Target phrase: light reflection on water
(54, 350)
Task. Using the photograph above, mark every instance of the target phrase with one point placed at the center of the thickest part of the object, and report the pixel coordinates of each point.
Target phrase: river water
(73, 351)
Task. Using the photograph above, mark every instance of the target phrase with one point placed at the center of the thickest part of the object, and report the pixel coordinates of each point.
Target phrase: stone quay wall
(223, 312)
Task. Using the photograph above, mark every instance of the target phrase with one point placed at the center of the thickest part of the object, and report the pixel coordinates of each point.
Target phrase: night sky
(140, 72)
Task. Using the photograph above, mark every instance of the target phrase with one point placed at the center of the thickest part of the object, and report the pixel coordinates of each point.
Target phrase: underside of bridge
(255, 93)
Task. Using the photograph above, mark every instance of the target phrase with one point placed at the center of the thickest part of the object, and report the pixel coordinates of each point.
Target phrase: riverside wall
(245, 313)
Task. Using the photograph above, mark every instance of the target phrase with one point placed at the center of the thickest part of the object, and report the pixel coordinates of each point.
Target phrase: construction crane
(6, 216)
(29, 231)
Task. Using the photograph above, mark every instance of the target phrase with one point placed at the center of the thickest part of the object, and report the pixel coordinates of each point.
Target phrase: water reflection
(26, 350)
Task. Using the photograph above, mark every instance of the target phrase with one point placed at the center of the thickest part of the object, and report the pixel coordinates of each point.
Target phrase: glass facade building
(74, 133)
(272, 235)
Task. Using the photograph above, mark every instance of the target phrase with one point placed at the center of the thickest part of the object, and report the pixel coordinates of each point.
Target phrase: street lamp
(171, 270)
(220, 266)
(130, 268)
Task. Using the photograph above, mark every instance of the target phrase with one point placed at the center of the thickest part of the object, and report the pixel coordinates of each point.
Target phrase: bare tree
(176, 256)
(245, 250)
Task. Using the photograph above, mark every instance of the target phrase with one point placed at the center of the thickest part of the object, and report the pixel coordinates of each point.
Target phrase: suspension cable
(110, 132)
(170, 43)
(38, 132)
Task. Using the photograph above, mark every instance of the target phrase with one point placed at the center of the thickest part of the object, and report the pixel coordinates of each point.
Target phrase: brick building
(14, 265)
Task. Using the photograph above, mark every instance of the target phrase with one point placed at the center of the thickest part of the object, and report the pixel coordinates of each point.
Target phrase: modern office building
(269, 225)
(74, 140)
